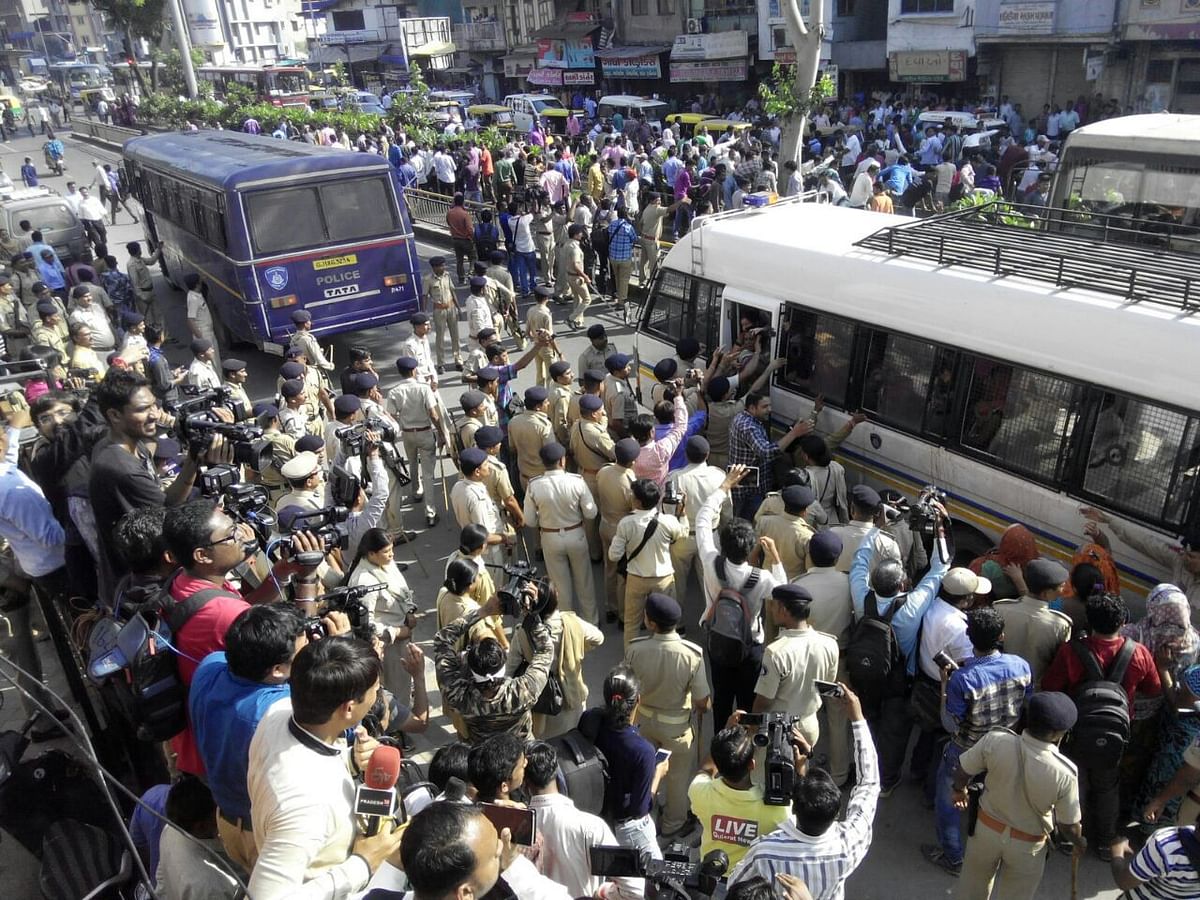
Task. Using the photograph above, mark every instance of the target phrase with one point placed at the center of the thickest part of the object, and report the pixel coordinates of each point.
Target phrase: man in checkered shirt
(750, 445)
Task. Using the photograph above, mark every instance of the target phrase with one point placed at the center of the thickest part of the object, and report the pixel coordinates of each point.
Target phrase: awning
(328, 55)
(433, 48)
(392, 58)
(631, 52)
(566, 31)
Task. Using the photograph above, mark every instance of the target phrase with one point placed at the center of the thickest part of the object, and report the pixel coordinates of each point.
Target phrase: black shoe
(441, 369)
(610, 617)
(431, 519)
(405, 537)
(458, 366)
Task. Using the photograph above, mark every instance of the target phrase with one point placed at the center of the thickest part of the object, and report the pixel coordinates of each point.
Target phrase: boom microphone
(376, 796)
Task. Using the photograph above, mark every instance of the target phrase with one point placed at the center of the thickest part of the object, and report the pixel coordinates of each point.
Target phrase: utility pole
(185, 47)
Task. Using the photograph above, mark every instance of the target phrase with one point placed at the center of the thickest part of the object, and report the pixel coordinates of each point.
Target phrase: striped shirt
(824, 862)
(1165, 868)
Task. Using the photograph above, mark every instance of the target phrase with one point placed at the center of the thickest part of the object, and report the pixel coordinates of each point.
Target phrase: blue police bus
(275, 226)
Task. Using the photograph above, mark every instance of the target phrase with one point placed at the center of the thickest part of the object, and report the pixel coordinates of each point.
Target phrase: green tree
(806, 39)
(136, 19)
(167, 70)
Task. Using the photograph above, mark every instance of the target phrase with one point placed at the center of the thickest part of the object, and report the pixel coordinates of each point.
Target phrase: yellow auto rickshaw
(555, 119)
(684, 124)
(491, 115)
(716, 128)
(90, 96)
(8, 101)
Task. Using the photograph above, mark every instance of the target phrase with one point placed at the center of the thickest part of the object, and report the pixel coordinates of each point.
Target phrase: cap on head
(406, 365)
(295, 351)
(596, 331)
(300, 466)
(718, 388)
(1043, 574)
(292, 388)
(265, 409)
(543, 292)
(435, 261)
(200, 345)
(471, 399)
(687, 348)
(589, 403)
(663, 610)
(301, 316)
(865, 496)
(825, 548)
(559, 368)
(627, 450)
(471, 459)
(364, 381)
(291, 370)
(419, 318)
(129, 317)
(346, 405)
(478, 282)
(665, 369)
(488, 374)
(552, 453)
(488, 436)
(959, 582)
(535, 396)
(1051, 711)
(310, 443)
(617, 361)
(797, 496)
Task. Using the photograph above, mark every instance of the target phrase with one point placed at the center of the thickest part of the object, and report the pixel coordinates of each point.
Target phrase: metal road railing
(116, 135)
(429, 209)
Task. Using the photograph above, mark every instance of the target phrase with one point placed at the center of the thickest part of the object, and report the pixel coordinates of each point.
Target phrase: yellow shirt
(731, 819)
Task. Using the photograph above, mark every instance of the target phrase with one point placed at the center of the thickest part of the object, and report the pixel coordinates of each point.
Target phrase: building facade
(376, 43)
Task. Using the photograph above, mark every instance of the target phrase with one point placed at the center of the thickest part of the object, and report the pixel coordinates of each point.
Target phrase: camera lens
(761, 739)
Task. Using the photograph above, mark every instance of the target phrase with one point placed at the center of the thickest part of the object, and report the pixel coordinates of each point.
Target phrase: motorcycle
(55, 161)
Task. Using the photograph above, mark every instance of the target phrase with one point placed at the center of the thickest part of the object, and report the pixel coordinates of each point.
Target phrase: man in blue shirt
(988, 691)
(899, 177)
(890, 721)
(230, 693)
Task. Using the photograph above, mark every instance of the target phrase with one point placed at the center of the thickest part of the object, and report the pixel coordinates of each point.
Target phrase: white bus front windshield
(1168, 195)
(285, 83)
(336, 212)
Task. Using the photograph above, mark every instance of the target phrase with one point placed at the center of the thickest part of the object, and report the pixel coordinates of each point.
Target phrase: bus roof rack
(1066, 248)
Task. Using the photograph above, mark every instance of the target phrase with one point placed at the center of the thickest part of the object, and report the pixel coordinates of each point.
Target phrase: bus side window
(818, 351)
(1143, 458)
(1021, 418)
(900, 387)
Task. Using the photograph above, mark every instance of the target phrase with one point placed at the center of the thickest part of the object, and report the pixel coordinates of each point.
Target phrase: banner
(631, 67)
(572, 54)
(580, 77)
(546, 77)
(928, 65)
(1026, 18)
(730, 70)
(721, 45)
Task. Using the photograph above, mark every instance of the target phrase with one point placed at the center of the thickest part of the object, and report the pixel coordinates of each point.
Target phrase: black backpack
(874, 660)
(584, 768)
(159, 696)
(1102, 728)
(729, 625)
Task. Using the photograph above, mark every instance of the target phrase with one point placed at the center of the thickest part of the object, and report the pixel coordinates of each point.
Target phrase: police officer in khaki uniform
(790, 532)
(306, 479)
(472, 403)
(1029, 786)
(721, 407)
(674, 687)
(473, 505)
(235, 376)
(592, 382)
(543, 241)
(293, 415)
(415, 409)
(442, 306)
(578, 281)
(1032, 630)
(489, 439)
(529, 431)
(592, 449)
(538, 318)
(556, 504)
(303, 338)
(614, 486)
(283, 448)
(619, 401)
(598, 350)
(562, 389)
(314, 394)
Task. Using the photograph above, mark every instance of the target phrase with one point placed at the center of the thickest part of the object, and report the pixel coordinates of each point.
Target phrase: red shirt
(1066, 671)
(460, 223)
(203, 634)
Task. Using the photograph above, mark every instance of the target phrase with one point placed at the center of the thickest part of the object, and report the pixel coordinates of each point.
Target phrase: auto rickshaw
(684, 124)
(716, 128)
(8, 101)
(555, 120)
(88, 97)
(491, 115)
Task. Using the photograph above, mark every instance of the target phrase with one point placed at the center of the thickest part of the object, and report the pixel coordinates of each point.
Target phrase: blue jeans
(639, 834)
(525, 268)
(949, 819)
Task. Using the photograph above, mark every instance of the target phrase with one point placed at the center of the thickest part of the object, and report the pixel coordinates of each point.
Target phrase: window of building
(639, 7)
(845, 8)
(818, 352)
(666, 7)
(1021, 419)
(348, 20)
(1160, 71)
(910, 7)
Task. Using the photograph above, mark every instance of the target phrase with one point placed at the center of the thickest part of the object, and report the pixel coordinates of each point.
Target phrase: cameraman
(122, 475)
(208, 544)
(300, 780)
(474, 684)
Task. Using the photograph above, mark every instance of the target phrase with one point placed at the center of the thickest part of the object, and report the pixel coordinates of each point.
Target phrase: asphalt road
(893, 867)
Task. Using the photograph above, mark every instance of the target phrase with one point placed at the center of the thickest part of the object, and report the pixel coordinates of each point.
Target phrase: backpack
(159, 696)
(1102, 728)
(584, 769)
(874, 660)
(729, 624)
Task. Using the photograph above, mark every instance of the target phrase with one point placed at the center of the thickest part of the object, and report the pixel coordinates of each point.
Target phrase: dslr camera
(196, 424)
(775, 734)
(674, 877)
(348, 600)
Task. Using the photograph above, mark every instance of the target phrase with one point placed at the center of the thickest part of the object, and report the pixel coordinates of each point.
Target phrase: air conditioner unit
(693, 26)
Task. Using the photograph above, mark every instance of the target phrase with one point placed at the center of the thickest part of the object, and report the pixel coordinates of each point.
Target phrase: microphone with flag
(376, 796)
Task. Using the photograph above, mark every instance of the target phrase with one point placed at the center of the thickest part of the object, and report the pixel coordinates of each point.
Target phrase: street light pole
(185, 47)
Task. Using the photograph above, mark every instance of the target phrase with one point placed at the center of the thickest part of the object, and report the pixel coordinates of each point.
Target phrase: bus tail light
(280, 302)
(393, 280)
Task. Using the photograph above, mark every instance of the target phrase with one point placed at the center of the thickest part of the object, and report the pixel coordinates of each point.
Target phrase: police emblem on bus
(276, 277)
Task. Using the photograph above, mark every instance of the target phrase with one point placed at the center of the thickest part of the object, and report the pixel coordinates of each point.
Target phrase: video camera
(343, 487)
(775, 734)
(673, 876)
(519, 574)
(244, 502)
(324, 524)
(922, 517)
(348, 600)
(196, 424)
(354, 437)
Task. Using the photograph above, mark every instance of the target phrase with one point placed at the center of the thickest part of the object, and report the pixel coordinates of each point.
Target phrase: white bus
(1022, 397)
(1139, 176)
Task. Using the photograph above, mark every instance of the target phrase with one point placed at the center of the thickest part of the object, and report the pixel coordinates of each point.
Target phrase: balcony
(480, 36)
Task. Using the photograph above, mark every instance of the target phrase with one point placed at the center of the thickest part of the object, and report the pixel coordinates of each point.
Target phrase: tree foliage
(169, 71)
(782, 97)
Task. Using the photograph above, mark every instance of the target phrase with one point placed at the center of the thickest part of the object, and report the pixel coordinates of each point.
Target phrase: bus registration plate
(333, 262)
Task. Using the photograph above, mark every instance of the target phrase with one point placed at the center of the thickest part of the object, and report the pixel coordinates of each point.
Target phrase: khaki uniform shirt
(1033, 631)
(304, 499)
(720, 415)
(538, 317)
(203, 374)
(466, 431)
(852, 535)
(560, 401)
(411, 402)
(591, 446)
(558, 499)
(615, 487)
(473, 504)
(654, 559)
(791, 535)
(475, 360)
(591, 358)
(528, 432)
(573, 412)
(574, 264)
(312, 350)
(439, 292)
(500, 488)
(619, 402)
(139, 274)
(790, 663)
(1051, 781)
(671, 671)
(283, 448)
(832, 610)
(294, 422)
(503, 279)
(241, 398)
(48, 336)
(418, 349)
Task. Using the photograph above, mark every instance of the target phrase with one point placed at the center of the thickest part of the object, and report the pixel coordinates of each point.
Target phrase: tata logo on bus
(334, 262)
(345, 282)
(276, 277)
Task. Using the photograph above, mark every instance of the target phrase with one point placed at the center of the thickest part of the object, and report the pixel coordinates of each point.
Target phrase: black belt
(244, 824)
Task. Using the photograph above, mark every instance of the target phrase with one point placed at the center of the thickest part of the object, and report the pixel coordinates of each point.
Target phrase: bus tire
(969, 543)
